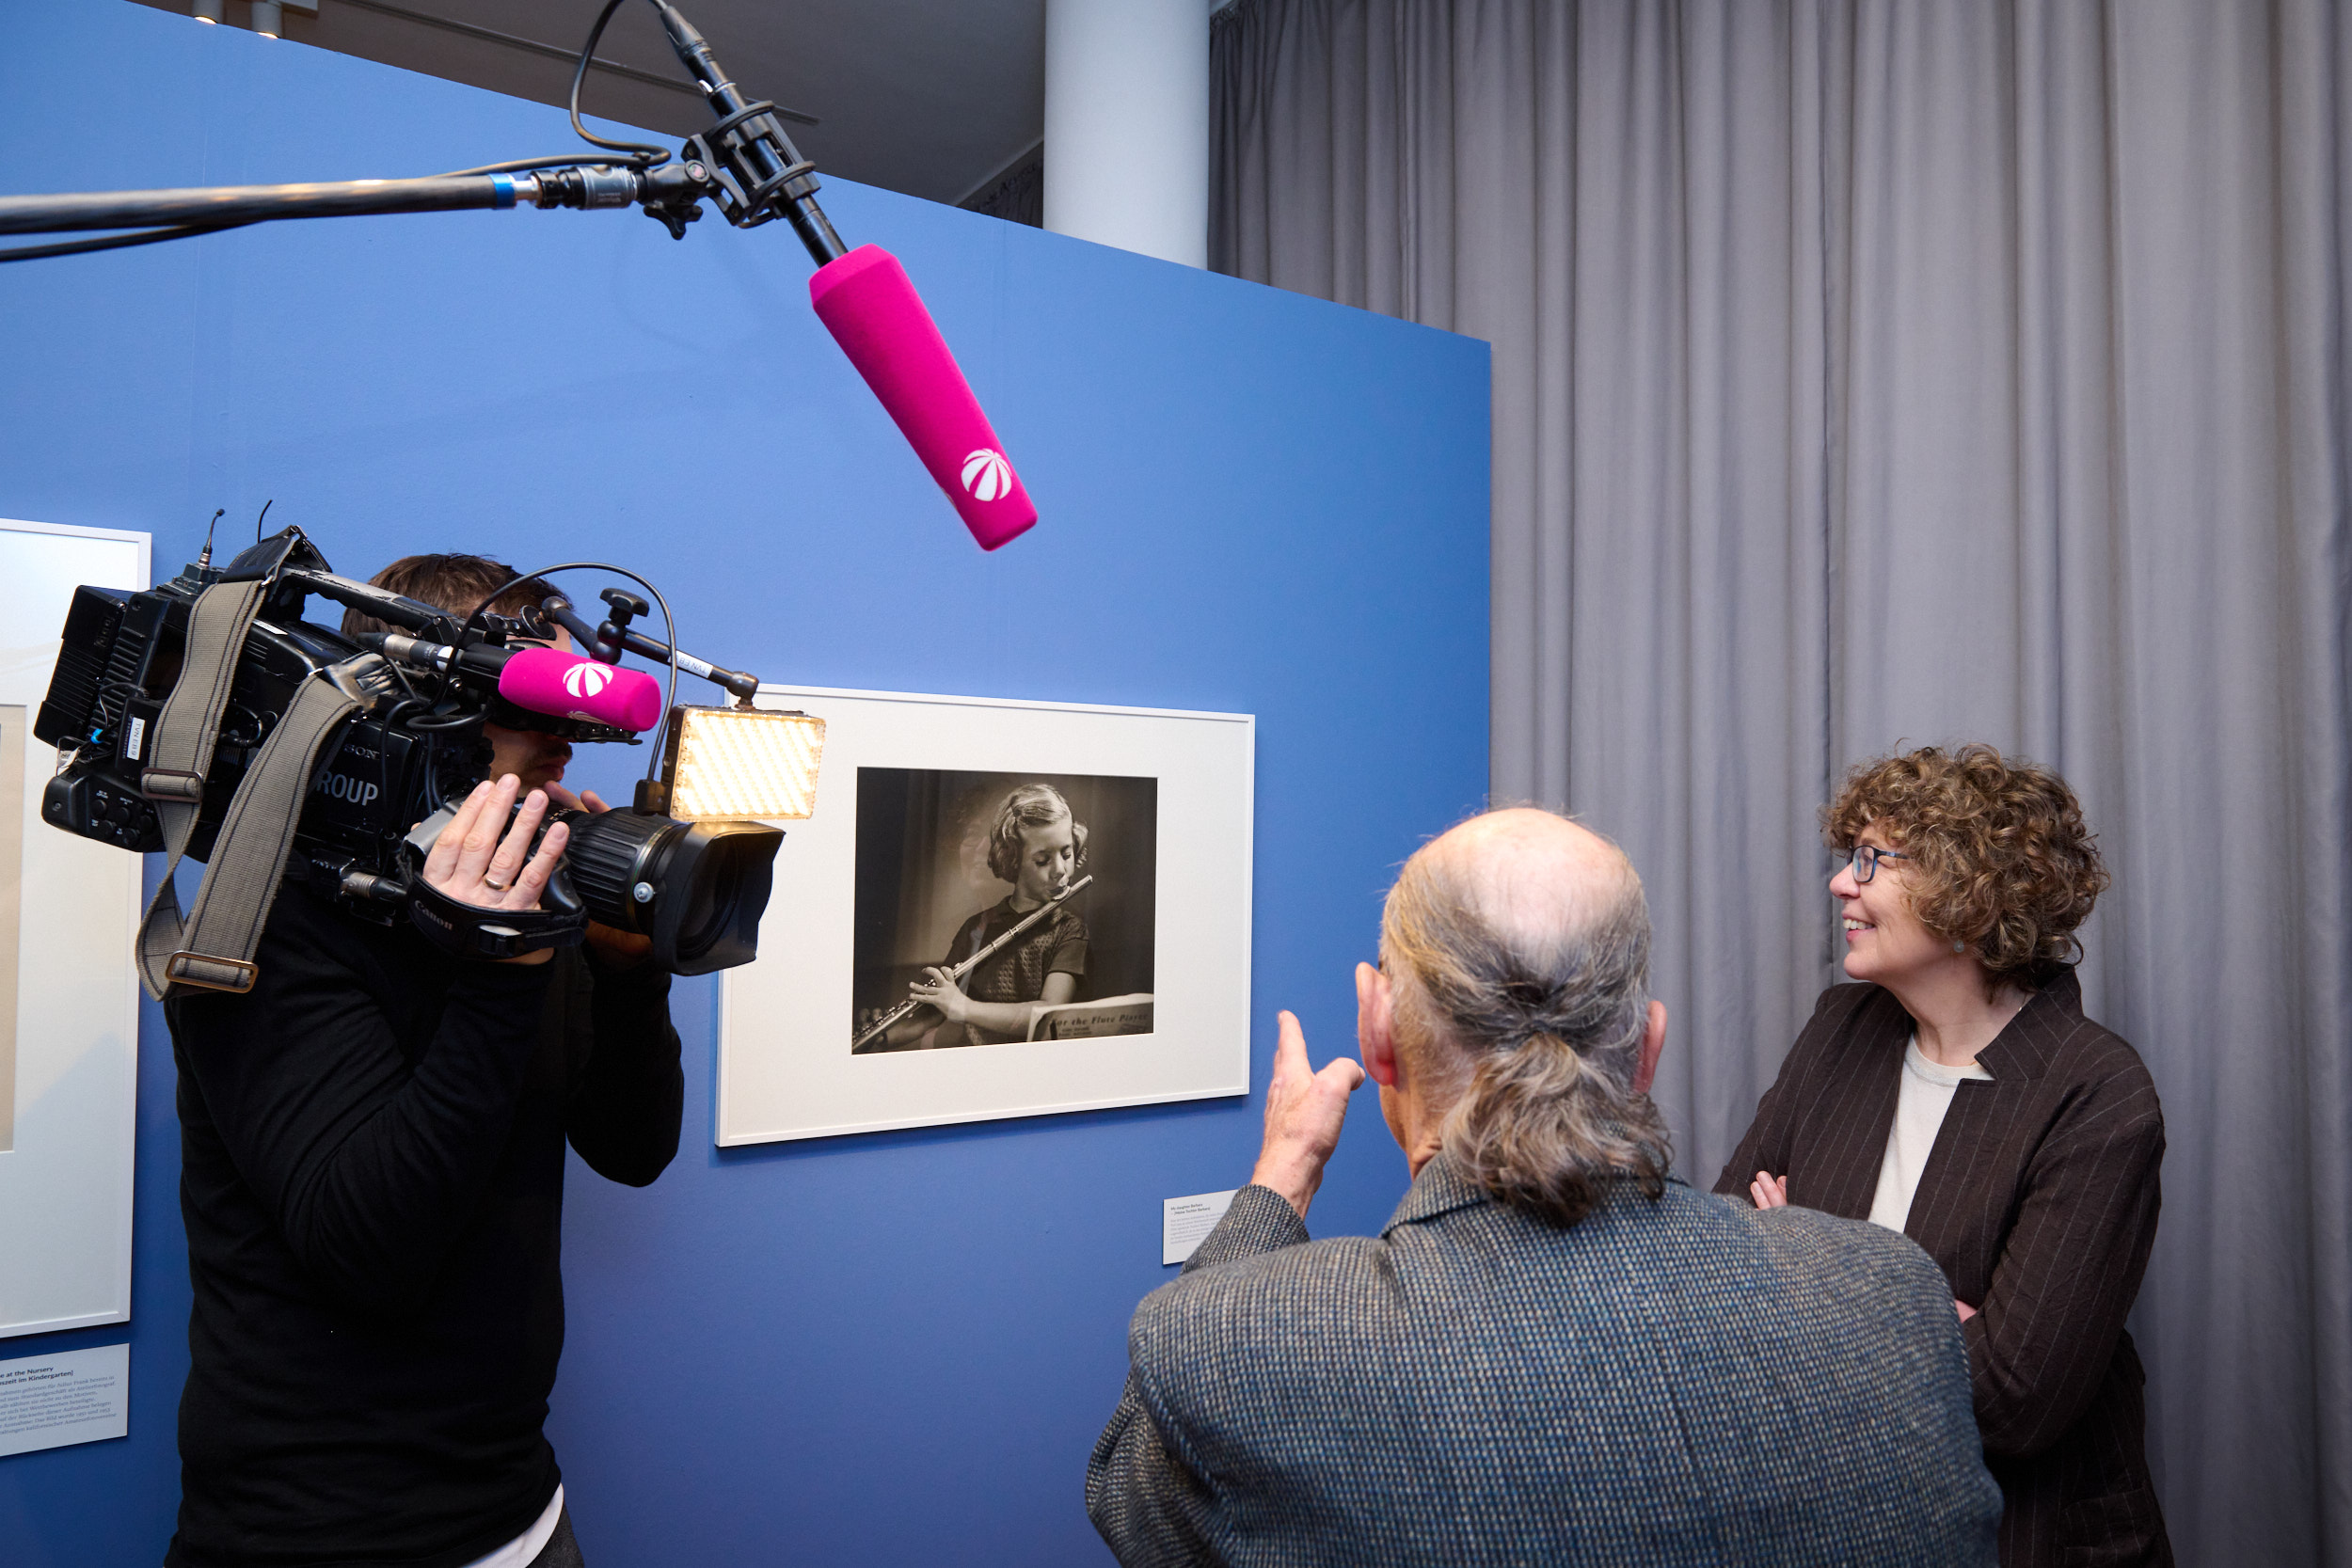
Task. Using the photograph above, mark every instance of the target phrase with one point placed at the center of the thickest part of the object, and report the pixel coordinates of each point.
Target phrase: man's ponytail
(1541, 1035)
(1542, 1129)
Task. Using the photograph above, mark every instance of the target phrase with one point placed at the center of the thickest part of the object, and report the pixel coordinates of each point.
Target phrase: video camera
(410, 749)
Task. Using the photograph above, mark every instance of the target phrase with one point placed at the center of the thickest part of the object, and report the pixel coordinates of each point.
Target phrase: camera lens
(710, 884)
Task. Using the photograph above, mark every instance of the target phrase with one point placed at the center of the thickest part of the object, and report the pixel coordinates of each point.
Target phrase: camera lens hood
(696, 889)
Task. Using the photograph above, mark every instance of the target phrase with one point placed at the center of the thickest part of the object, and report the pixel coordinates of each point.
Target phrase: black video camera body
(411, 752)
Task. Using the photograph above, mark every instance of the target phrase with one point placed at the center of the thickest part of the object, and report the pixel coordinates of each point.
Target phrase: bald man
(1555, 1352)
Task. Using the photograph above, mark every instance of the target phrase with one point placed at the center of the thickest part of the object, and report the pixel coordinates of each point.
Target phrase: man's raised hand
(1304, 1111)
(471, 863)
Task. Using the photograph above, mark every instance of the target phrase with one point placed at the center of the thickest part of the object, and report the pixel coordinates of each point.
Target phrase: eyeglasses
(1866, 859)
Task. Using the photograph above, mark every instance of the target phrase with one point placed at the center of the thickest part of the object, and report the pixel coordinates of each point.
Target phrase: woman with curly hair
(1960, 1096)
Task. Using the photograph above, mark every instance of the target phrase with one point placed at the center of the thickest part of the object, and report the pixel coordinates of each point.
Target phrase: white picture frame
(786, 1022)
(68, 1137)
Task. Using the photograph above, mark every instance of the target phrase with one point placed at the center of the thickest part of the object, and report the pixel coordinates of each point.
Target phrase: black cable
(520, 165)
(117, 242)
(190, 231)
(646, 156)
(669, 623)
(441, 726)
(633, 155)
(414, 699)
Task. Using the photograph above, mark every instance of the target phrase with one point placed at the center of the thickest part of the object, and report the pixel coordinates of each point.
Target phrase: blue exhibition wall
(888, 1348)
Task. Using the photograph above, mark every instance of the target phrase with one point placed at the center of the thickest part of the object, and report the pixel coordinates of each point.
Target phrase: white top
(518, 1552)
(1926, 1093)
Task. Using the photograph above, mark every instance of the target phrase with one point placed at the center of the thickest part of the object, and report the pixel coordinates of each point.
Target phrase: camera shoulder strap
(213, 949)
(181, 757)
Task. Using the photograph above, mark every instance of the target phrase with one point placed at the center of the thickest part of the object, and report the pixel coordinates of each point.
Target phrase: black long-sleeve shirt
(372, 1158)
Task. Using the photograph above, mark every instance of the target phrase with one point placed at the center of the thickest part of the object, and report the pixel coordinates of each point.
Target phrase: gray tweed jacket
(1678, 1382)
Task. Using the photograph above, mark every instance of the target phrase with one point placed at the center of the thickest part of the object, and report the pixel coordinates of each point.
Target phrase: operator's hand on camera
(615, 948)
(471, 863)
(587, 799)
(940, 992)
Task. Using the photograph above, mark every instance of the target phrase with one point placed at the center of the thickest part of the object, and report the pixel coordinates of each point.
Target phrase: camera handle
(470, 932)
(613, 636)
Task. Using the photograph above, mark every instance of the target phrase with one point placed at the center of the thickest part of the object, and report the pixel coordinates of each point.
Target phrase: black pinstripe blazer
(1678, 1383)
(2038, 1199)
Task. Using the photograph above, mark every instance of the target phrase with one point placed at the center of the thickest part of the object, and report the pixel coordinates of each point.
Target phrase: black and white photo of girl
(1046, 879)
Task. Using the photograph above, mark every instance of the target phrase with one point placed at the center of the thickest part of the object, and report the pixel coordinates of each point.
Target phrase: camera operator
(460, 584)
(373, 1182)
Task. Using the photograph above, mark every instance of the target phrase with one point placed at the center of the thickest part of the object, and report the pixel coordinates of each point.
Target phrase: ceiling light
(205, 10)
(268, 19)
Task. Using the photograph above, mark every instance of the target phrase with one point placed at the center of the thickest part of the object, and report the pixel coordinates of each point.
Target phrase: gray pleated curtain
(1873, 374)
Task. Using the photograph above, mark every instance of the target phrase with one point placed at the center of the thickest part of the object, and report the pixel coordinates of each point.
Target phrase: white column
(1127, 124)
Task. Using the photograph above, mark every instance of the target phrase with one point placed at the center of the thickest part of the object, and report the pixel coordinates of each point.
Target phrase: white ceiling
(932, 98)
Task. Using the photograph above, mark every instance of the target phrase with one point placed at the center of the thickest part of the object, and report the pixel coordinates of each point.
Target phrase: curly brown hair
(1998, 855)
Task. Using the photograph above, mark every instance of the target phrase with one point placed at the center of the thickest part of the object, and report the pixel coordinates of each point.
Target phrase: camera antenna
(204, 558)
(257, 522)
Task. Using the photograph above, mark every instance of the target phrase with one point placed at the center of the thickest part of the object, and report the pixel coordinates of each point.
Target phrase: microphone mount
(740, 684)
(764, 174)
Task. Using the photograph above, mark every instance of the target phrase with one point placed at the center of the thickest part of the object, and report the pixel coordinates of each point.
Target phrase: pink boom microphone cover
(873, 313)
(551, 681)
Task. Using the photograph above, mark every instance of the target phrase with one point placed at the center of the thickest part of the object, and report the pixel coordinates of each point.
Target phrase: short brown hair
(2000, 857)
(459, 584)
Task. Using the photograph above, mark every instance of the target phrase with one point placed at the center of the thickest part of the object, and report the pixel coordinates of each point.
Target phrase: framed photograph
(69, 996)
(998, 908)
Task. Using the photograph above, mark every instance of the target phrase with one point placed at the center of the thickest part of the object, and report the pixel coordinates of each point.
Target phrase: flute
(903, 1008)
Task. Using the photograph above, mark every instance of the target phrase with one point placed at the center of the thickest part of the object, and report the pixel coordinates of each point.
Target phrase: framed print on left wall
(69, 997)
(1070, 882)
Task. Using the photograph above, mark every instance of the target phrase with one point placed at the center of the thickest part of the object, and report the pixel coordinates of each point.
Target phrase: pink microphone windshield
(551, 681)
(866, 301)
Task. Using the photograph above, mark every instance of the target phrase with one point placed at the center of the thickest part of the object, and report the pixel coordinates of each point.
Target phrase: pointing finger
(1290, 1047)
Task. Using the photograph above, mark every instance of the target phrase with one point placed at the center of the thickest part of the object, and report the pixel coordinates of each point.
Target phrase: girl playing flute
(1038, 846)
